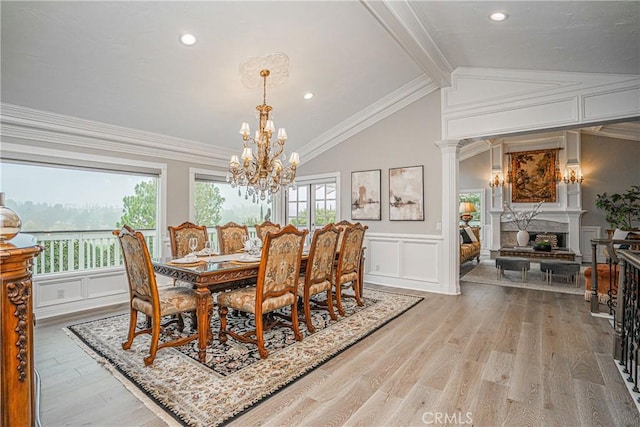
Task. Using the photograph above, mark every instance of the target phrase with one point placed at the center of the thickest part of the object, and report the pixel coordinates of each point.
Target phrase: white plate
(205, 252)
(248, 258)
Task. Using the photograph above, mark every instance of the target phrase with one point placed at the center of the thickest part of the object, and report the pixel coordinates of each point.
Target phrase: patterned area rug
(486, 273)
(234, 378)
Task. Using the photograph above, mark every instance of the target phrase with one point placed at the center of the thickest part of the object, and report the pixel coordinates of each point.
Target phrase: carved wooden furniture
(266, 227)
(341, 226)
(146, 298)
(348, 271)
(231, 237)
(181, 234)
(18, 392)
(277, 287)
(319, 271)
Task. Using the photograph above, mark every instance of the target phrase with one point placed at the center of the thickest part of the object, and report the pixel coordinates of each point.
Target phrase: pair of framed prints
(406, 194)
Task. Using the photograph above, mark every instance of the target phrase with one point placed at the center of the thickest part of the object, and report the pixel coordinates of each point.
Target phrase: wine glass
(193, 244)
(208, 247)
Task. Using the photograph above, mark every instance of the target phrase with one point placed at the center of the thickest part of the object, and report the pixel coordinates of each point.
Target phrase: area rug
(485, 272)
(234, 378)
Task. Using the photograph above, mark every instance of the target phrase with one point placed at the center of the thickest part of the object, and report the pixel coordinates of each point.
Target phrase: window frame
(326, 178)
(54, 157)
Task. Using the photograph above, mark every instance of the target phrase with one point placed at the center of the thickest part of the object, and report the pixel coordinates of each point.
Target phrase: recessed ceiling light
(308, 95)
(498, 16)
(187, 39)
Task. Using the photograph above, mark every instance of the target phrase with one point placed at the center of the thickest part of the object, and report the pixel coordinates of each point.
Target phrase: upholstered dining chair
(319, 271)
(180, 235)
(276, 287)
(341, 226)
(145, 297)
(231, 237)
(266, 227)
(348, 268)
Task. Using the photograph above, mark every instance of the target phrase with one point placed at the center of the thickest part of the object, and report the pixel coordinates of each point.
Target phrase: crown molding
(402, 23)
(36, 125)
(395, 101)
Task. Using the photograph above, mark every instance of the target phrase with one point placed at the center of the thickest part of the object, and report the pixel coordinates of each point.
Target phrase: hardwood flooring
(491, 356)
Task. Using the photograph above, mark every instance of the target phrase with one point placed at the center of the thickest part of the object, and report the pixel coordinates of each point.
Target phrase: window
(475, 197)
(215, 203)
(73, 209)
(313, 203)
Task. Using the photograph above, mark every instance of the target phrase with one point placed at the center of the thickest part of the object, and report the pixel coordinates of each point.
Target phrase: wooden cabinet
(17, 398)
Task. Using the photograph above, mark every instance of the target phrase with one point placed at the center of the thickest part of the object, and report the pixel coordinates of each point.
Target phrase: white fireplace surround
(552, 221)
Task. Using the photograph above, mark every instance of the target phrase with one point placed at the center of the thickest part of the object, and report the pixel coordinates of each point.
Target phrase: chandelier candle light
(261, 168)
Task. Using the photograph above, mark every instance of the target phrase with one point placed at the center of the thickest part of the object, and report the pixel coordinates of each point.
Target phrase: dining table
(212, 274)
(209, 274)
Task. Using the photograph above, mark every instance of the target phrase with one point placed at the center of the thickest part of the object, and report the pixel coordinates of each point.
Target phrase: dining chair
(266, 227)
(231, 237)
(348, 268)
(341, 226)
(319, 272)
(180, 235)
(276, 287)
(146, 298)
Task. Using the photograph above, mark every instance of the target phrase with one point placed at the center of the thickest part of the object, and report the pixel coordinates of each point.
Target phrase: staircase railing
(627, 325)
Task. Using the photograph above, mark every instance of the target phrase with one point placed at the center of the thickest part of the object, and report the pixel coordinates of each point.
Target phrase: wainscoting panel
(403, 261)
(59, 294)
(588, 233)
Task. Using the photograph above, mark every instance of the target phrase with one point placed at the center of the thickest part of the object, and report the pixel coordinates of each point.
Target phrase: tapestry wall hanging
(406, 194)
(534, 176)
(365, 195)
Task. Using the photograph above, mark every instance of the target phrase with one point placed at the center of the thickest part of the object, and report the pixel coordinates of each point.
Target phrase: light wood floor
(491, 356)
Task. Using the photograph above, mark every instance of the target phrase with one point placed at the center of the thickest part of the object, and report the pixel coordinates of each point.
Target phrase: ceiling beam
(401, 22)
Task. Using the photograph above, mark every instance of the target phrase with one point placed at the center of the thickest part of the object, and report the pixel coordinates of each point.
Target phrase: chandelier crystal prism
(261, 168)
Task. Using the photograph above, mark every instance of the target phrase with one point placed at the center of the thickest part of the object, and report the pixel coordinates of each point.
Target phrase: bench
(513, 263)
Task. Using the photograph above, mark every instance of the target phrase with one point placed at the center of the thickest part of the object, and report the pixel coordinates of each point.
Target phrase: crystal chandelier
(260, 168)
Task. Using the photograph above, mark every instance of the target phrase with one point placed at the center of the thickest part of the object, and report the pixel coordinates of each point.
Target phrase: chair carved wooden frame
(266, 227)
(230, 237)
(180, 235)
(145, 297)
(276, 287)
(319, 272)
(341, 226)
(348, 269)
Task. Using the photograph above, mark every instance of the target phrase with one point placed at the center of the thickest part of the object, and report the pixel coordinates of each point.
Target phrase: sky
(23, 183)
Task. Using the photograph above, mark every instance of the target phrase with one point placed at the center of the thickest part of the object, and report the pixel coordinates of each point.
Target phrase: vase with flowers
(523, 219)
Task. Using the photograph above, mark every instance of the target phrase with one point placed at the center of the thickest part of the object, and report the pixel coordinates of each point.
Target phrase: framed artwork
(534, 176)
(406, 194)
(365, 195)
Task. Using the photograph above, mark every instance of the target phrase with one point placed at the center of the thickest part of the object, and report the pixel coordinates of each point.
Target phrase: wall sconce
(573, 175)
(496, 180)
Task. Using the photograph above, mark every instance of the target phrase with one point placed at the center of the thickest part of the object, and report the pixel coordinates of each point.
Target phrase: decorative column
(448, 275)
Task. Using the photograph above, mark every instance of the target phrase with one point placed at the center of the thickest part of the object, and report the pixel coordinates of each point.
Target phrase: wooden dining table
(217, 273)
(212, 274)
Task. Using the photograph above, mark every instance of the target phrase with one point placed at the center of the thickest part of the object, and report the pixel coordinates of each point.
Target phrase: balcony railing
(68, 251)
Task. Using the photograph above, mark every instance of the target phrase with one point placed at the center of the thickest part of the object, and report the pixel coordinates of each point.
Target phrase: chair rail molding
(484, 101)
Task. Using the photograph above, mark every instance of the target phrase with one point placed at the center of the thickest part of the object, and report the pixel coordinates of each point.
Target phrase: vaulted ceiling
(121, 63)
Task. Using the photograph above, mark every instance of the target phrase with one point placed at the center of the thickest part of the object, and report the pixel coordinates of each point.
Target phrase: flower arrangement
(522, 219)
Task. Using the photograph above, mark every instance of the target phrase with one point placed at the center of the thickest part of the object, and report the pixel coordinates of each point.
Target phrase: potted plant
(623, 210)
(542, 246)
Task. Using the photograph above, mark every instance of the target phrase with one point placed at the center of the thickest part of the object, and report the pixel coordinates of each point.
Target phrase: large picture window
(72, 211)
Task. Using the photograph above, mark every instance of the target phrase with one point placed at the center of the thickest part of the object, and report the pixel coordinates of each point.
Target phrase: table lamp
(466, 208)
